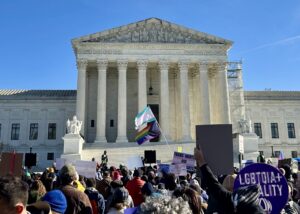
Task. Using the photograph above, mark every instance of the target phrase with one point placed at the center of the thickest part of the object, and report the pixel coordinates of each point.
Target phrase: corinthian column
(122, 102)
(81, 92)
(185, 104)
(142, 89)
(101, 102)
(164, 98)
(224, 94)
(204, 94)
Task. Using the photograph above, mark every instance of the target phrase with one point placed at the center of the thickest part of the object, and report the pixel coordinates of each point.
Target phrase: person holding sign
(242, 201)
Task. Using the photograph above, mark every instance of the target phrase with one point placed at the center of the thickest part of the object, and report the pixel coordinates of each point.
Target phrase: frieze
(153, 31)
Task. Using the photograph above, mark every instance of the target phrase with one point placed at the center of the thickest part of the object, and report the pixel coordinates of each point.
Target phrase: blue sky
(35, 35)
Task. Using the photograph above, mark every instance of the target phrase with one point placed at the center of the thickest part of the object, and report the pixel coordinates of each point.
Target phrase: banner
(178, 169)
(274, 188)
(86, 168)
(60, 162)
(11, 164)
(184, 158)
(134, 162)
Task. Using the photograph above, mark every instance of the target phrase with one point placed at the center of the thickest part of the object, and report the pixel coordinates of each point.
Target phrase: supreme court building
(184, 75)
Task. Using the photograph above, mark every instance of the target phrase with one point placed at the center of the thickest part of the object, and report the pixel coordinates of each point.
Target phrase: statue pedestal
(247, 144)
(72, 147)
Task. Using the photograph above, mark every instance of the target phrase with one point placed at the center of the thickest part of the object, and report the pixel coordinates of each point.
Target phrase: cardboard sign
(11, 164)
(274, 188)
(60, 162)
(178, 169)
(86, 168)
(184, 158)
(134, 162)
(217, 146)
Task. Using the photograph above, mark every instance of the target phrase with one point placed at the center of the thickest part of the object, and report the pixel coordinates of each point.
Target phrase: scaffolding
(236, 93)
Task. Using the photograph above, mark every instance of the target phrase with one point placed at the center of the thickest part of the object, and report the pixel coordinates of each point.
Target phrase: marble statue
(74, 126)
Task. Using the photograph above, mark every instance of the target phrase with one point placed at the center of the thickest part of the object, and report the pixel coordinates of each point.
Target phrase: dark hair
(170, 182)
(90, 182)
(13, 190)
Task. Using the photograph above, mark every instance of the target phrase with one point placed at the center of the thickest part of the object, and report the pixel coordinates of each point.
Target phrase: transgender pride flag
(147, 126)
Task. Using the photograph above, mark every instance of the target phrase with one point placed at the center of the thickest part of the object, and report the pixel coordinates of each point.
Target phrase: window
(111, 123)
(50, 156)
(52, 131)
(291, 130)
(92, 123)
(33, 132)
(294, 154)
(15, 131)
(277, 154)
(257, 129)
(274, 130)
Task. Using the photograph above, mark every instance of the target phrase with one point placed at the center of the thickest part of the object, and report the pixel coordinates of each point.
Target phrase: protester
(104, 158)
(37, 191)
(134, 187)
(119, 199)
(78, 202)
(13, 195)
(57, 201)
(96, 199)
(103, 186)
(242, 201)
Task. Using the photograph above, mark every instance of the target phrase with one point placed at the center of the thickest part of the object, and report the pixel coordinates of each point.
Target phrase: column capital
(203, 66)
(163, 65)
(183, 65)
(102, 64)
(142, 64)
(221, 65)
(81, 64)
(122, 64)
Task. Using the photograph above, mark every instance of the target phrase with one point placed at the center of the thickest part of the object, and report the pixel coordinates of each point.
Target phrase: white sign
(86, 168)
(134, 162)
(184, 158)
(178, 169)
(60, 162)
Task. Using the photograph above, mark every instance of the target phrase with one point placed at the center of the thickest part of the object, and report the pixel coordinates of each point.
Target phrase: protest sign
(11, 164)
(60, 162)
(217, 146)
(187, 159)
(273, 185)
(178, 169)
(86, 168)
(134, 162)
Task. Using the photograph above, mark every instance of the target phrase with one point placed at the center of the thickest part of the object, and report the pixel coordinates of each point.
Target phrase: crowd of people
(148, 189)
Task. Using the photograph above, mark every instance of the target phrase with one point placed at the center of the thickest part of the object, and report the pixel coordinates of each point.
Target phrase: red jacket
(134, 187)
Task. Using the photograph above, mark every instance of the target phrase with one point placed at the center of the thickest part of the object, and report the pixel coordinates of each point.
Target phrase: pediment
(152, 30)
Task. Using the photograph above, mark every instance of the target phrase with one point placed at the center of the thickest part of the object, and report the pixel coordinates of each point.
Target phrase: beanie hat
(57, 201)
(246, 196)
(116, 175)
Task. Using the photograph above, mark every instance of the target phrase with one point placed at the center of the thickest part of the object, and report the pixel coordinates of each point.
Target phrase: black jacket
(222, 196)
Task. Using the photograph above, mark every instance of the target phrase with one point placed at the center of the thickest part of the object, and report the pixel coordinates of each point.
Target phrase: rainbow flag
(147, 132)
